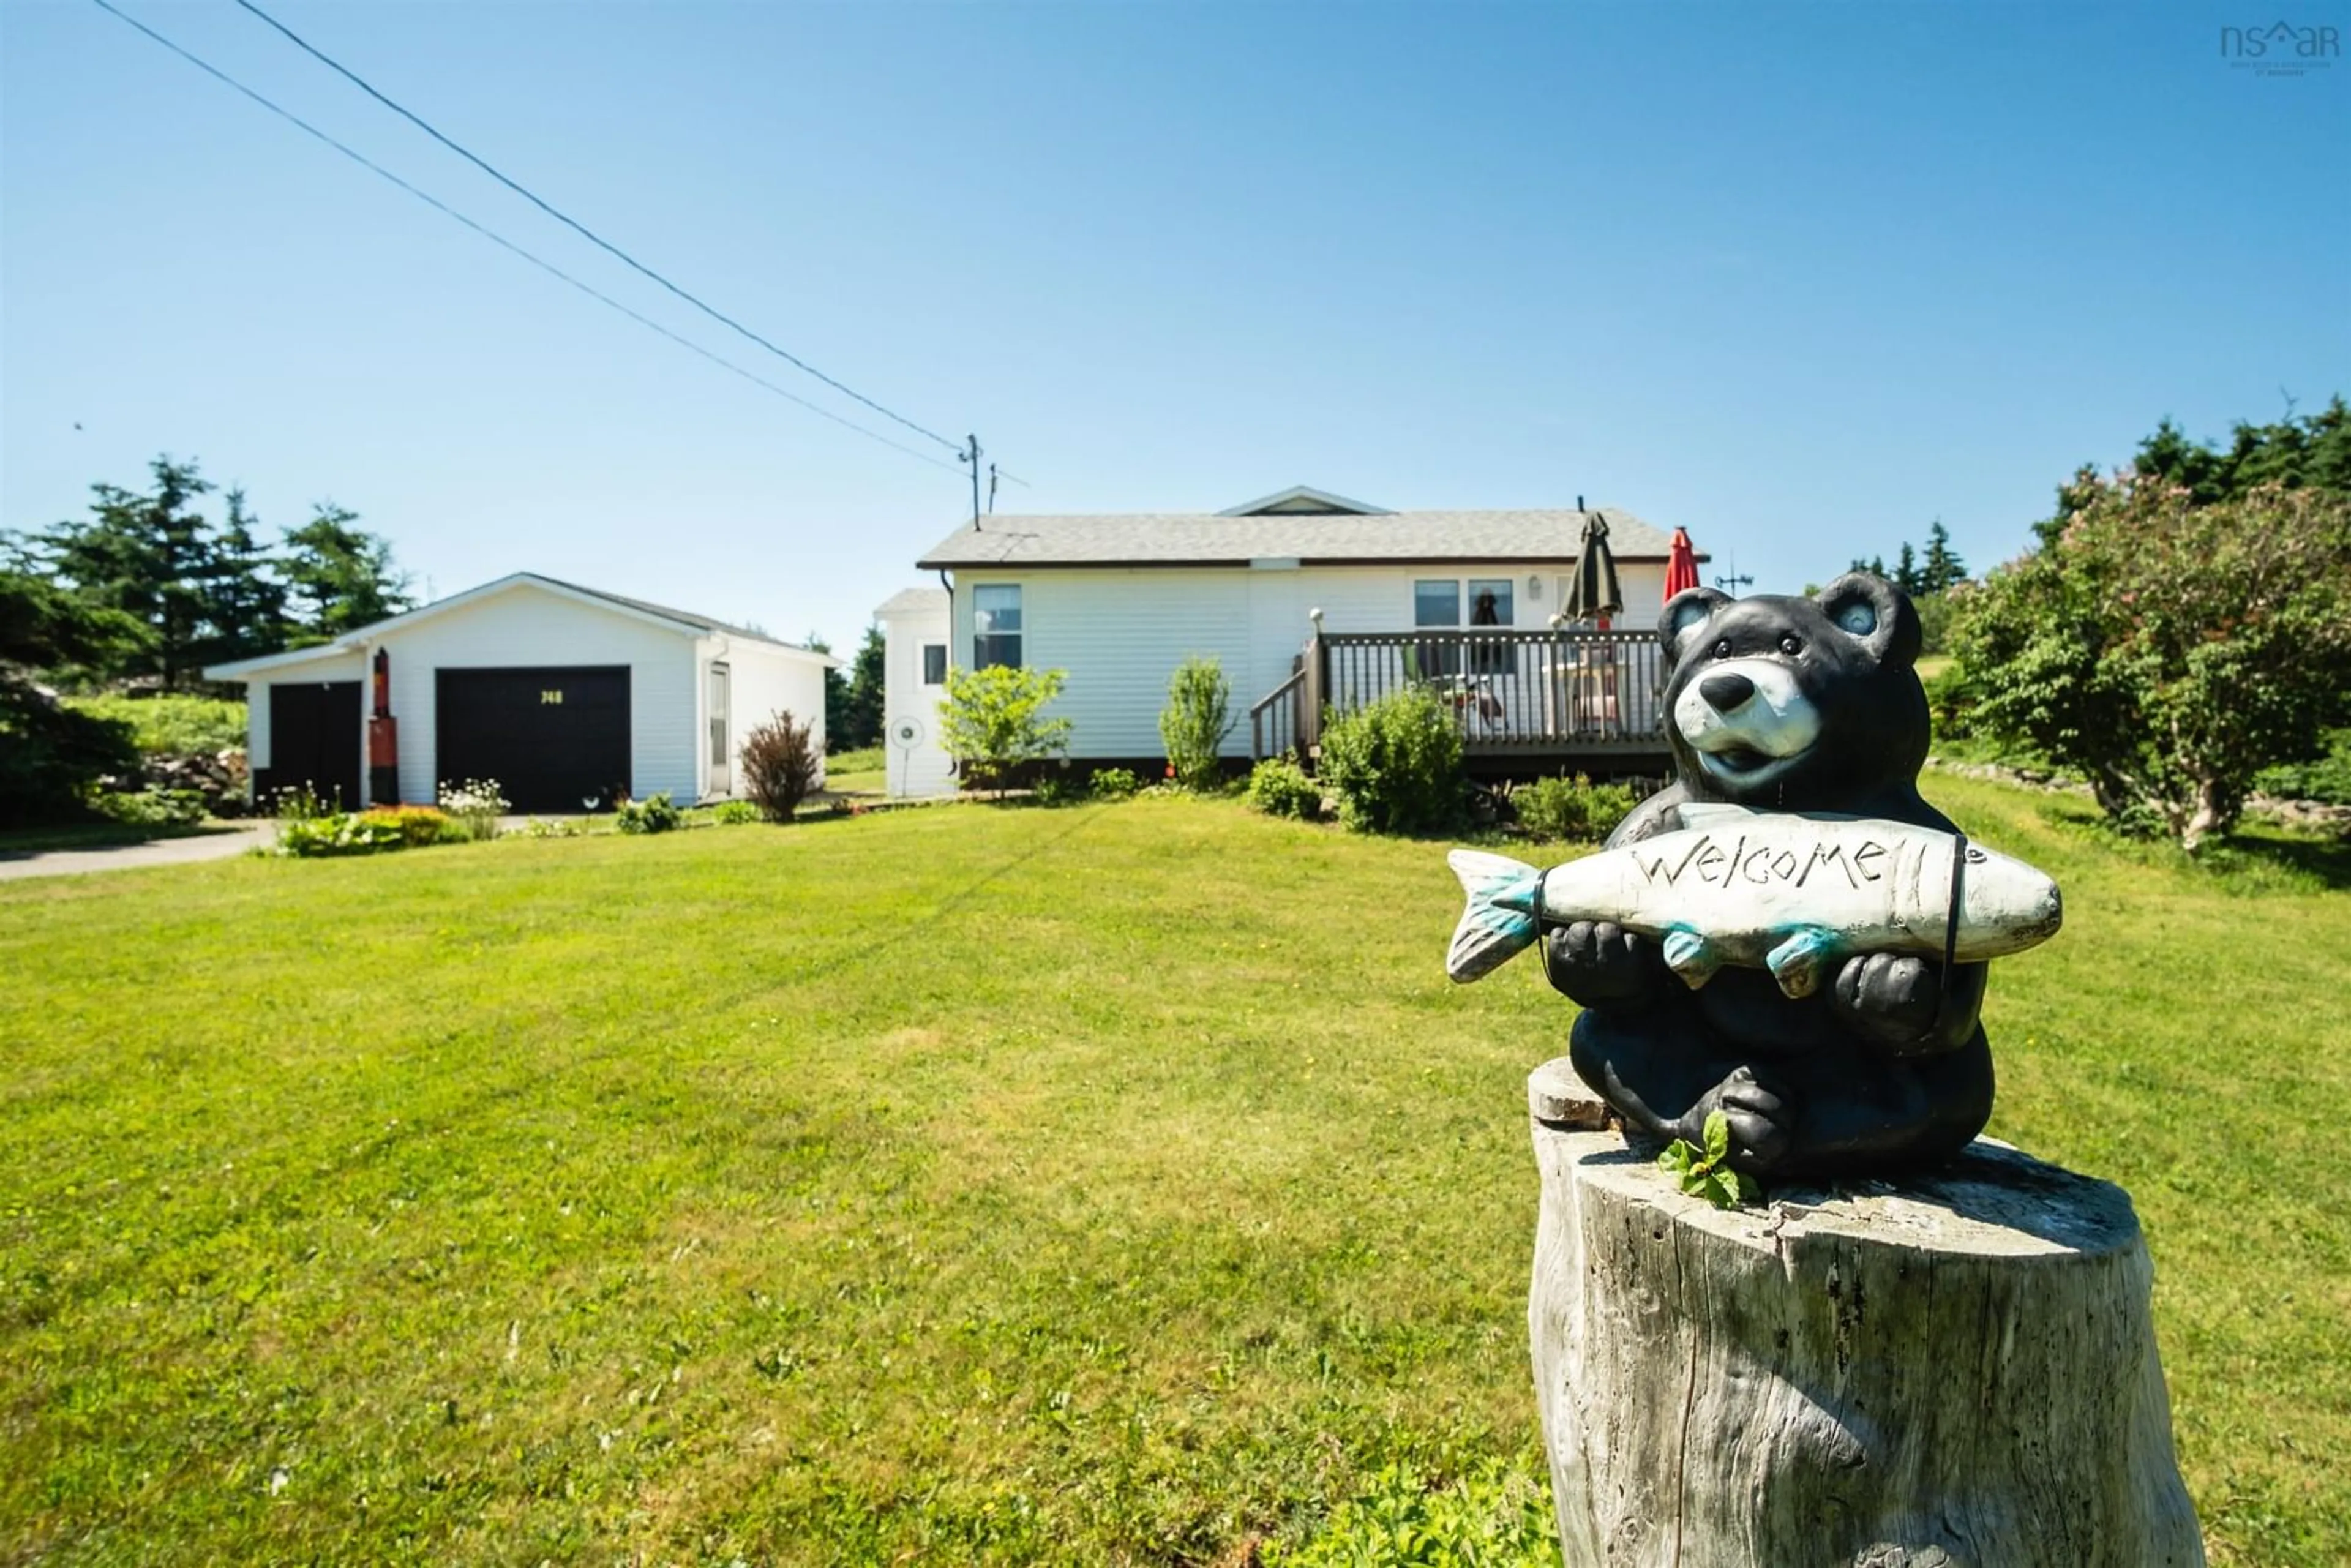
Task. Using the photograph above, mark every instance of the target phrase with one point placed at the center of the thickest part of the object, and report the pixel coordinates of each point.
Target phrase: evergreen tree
(1942, 566)
(1905, 570)
(2312, 450)
(148, 555)
(338, 578)
(861, 722)
(245, 606)
(836, 697)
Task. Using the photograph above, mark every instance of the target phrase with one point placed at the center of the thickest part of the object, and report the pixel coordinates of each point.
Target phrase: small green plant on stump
(1196, 721)
(1703, 1173)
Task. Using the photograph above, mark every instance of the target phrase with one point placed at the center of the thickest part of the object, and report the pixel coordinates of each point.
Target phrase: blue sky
(1799, 277)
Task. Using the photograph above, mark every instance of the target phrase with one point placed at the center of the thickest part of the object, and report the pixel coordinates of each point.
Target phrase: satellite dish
(907, 733)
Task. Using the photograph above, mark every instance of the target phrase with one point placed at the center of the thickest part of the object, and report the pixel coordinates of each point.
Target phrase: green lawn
(1109, 1184)
(859, 772)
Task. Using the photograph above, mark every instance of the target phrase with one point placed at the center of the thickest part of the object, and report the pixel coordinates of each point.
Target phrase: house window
(1437, 602)
(935, 663)
(1489, 605)
(996, 626)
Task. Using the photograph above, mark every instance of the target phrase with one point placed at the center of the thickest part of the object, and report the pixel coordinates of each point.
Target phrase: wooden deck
(1534, 699)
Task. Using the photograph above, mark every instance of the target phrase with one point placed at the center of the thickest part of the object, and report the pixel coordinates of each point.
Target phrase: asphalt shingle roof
(686, 617)
(1199, 539)
(908, 599)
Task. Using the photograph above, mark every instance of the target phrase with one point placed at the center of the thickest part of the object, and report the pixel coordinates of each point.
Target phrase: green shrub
(172, 726)
(993, 721)
(782, 759)
(420, 825)
(655, 814)
(1113, 784)
(339, 834)
(1060, 789)
(1194, 724)
(1394, 764)
(51, 757)
(1489, 1518)
(149, 807)
(734, 813)
(473, 808)
(1279, 788)
(1951, 702)
(555, 828)
(1572, 808)
(2328, 778)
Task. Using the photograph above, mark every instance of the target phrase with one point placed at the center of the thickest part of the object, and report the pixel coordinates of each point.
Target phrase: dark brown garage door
(314, 741)
(554, 738)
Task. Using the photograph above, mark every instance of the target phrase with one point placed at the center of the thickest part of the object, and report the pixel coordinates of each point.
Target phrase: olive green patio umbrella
(1594, 595)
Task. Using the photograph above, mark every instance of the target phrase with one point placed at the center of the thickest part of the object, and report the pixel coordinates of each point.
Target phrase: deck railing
(1277, 718)
(1511, 692)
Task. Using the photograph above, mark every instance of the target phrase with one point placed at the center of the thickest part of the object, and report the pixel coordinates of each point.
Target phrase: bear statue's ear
(1875, 614)
(1684, 614)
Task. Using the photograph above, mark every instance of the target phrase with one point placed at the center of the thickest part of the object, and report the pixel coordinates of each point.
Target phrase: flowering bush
(2167, 651)
(475, 807)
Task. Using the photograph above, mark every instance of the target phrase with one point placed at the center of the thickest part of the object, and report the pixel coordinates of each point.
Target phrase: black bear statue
(1785, 704)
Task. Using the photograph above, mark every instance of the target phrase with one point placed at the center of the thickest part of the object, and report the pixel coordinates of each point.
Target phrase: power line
(503, 243)
(583, 230)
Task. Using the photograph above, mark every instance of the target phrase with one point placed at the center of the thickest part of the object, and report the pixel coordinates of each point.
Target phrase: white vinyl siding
(527, 626)
(763, 681)
(908, 698)
(1119, 632)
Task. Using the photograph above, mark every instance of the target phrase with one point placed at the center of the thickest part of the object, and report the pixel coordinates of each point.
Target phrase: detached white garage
(570, 697)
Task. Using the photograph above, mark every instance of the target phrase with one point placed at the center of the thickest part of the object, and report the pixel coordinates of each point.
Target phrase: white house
(567, 697)
(914, 629)
(1308, 600)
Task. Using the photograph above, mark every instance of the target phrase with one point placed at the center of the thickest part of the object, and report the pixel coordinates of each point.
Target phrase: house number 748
(550, 699)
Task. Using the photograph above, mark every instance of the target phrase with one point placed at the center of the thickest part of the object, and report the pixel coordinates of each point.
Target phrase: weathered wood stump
(1957, 1370)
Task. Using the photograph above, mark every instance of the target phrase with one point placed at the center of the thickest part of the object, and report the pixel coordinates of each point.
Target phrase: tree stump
(1956, 1370)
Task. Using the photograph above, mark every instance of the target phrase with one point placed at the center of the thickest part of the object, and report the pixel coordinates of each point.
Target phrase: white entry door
(722, 739)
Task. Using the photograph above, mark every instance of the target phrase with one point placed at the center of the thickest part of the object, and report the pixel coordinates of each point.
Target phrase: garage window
(996, 626)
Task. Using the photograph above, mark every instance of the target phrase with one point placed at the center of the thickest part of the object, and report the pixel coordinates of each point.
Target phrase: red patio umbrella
(1681, 564)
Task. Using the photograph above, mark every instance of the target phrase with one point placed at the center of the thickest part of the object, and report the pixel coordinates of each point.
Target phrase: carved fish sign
(1791, 891)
